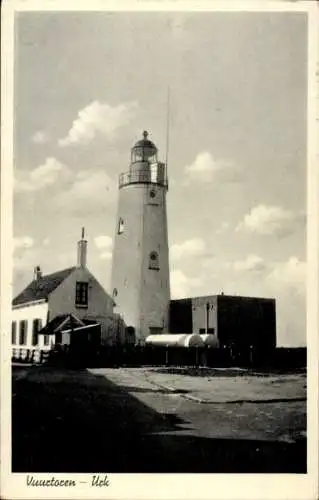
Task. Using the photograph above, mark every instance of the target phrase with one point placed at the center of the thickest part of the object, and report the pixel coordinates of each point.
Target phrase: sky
(86, 86)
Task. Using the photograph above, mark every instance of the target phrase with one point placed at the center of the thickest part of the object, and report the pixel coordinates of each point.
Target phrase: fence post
(196, 356)
(204, 357)
(166, 356)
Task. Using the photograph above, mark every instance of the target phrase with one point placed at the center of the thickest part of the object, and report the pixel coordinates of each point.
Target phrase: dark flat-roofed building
(239, 323)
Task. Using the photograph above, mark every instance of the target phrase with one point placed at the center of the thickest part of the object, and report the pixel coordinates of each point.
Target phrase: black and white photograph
(158, 290)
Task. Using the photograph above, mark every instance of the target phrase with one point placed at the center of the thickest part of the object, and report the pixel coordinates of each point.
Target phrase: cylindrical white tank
(176, 340)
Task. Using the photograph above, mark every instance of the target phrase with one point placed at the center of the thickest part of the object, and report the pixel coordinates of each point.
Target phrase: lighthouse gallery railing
(146, 176)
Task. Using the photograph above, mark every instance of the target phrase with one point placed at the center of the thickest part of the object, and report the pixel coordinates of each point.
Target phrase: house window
(120, 227)
(46, 339)
(23, 332)
(153, 261)
(81, 294)
(14, 333)
(36, 327)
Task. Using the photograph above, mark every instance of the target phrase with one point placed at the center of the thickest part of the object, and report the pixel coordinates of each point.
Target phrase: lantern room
(144, 166)
(144, 151)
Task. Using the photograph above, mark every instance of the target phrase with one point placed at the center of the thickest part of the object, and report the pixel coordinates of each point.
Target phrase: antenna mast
(167, 125)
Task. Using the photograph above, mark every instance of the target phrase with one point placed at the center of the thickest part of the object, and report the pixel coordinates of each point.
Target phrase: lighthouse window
(120, 227)
(153, 261)
(153, 198)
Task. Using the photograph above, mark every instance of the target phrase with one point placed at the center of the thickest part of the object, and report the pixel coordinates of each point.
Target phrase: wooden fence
(158, 356)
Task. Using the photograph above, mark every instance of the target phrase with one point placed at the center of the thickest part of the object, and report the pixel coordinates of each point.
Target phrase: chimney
(37, 273)
(82, 251)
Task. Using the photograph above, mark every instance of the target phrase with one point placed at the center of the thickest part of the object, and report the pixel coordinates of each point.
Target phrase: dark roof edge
(222, 295)
(29, 303)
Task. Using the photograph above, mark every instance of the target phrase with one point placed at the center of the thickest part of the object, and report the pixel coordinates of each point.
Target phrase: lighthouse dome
(144, 150)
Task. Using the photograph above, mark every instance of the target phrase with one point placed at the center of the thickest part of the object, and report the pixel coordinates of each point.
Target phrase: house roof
(66, 323)
(42, 287)
(61, 322)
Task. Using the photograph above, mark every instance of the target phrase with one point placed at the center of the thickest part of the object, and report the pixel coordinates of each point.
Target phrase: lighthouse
(140, 267)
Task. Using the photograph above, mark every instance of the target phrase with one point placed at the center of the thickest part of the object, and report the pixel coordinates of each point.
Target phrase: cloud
(83, 191)
(97, 118)
(268, 220)
(189, 248)
(223, 228)
(91, 190)
(291, 272)
(182, 285)
(42, 176)
(23, 242)
(287, 280)
(103, 241)
(253, 276)
(24, 253)
(291, 327)
(251, 263)
(205, 168)
(24, 262)
(40, 137)
(66, 258)
(278, 276)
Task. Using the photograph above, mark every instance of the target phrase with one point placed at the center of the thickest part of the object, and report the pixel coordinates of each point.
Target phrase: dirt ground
(216, 385)
(146, 420)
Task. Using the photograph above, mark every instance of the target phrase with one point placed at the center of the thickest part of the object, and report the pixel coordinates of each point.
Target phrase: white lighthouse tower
(140, 268)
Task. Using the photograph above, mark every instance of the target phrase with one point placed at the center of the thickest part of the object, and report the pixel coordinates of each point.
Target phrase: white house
(73, 292)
